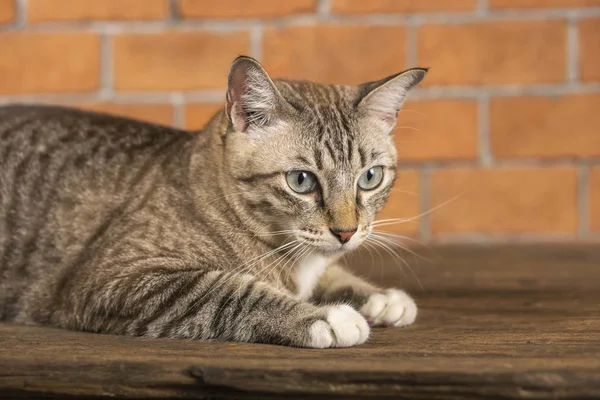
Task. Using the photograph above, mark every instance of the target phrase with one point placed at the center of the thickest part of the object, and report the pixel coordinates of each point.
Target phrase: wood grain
(496, 322)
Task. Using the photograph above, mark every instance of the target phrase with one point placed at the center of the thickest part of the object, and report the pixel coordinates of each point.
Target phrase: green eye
(301, 181)
(371, 178)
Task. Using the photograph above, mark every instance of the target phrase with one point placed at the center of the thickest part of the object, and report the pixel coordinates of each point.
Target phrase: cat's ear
(252, 98)
(382, 100)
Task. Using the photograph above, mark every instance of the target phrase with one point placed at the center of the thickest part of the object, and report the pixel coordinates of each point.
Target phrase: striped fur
(118, 226)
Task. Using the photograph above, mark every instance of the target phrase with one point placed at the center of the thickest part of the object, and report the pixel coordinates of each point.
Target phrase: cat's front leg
(381, 307)
(190, 303)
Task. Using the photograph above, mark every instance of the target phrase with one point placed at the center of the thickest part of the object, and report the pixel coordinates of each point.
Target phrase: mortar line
(106, 67)
(411, 42)
(178, 117)
(256, 42)
(505, 237)
(439, 92)
(515, 90)
(556, 162)
(425, 202)
(21, 14)
(572, 52)
(583, 200)
(323, 8)
(225, 25)
(174, 13)
(482, 7)
(486, 158)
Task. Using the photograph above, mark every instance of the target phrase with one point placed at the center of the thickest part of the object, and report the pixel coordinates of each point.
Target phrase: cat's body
(118, 226)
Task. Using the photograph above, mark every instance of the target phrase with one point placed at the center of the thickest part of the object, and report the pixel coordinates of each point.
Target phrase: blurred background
(501, 142)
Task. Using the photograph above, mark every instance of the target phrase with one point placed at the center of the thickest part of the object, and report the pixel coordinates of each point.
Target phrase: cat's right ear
(381, 100)
(252, 98)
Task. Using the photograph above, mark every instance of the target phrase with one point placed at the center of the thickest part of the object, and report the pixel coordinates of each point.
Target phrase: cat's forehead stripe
(329, 111)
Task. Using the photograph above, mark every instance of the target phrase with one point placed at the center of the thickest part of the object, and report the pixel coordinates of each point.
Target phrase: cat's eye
(371, 178)
(301, 181)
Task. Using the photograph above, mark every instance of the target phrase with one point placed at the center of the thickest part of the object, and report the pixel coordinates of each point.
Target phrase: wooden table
(495, 322)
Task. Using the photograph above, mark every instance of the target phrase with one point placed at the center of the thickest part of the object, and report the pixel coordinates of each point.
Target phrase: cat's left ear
(252, 98)
(382, 100)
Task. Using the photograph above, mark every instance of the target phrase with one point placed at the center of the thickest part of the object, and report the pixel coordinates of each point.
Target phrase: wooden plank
(485, 267)
(480, 334)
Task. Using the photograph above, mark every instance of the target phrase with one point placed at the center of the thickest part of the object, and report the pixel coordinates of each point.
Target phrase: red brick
(176, 60)
(595, 199)
(241, 8)
(7, 11)
(542, 3)
(54, 62)
(403, 203)
(428, 130)
(87, 10)
(156, 113)
(509, 200)
(490, 53)
(339, 54)
(589, 44)
(198, 114)
(400, 6)
(545, 127)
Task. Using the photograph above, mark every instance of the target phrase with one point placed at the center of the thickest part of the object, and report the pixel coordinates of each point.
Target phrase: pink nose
(343, 235)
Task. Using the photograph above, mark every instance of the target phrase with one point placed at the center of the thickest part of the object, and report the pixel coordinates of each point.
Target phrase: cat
(233, 233)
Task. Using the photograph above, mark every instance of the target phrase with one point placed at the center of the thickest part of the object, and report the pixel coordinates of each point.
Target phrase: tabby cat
(231, 233)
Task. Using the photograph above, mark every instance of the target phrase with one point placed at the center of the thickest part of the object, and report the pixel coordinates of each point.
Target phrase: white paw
(344, 327)
(390, 308)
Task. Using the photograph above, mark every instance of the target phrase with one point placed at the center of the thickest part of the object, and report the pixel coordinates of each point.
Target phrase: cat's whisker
(377, 245)
(381, 259)
(393, 221)
(301, 253)
(386, 248)
(367, 246)
(253, 262)
(236, 271)
(384, 243)
(377, 248)
(399, 238)
(398, 241)
(406, 127)
(283, 247)
(292, 259)
(387, 220)
(414, 112)
(289, 255)
(259, 273)
(277, 262)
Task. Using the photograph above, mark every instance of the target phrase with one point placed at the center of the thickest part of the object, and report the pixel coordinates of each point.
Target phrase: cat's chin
(333, 250)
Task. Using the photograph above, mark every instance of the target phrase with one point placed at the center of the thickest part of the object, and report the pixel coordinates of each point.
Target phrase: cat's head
(315, 163)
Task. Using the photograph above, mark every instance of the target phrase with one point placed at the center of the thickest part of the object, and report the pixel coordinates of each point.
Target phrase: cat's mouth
(331, 247)
(331, 241)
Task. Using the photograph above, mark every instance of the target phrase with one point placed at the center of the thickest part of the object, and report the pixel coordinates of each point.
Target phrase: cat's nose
(343, 235)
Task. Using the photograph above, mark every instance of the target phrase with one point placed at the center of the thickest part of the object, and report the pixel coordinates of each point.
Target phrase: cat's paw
(392, 307)
(342, 327)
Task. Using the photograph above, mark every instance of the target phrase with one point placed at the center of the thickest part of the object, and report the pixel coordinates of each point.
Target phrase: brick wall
(501, 142)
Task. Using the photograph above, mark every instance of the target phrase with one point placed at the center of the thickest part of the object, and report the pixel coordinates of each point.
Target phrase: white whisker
(393, 221)
(384, 242)
(406, 127)
(399, 243)
(403, 110)
(241, 270)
